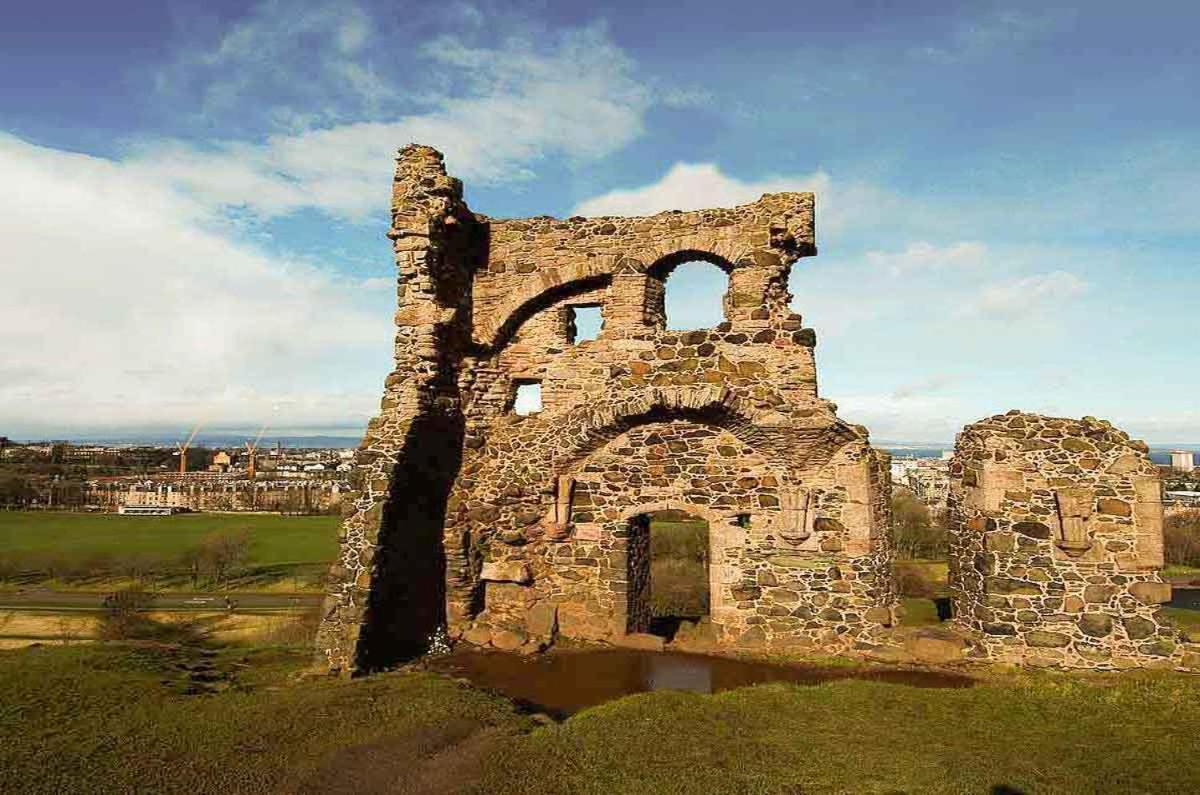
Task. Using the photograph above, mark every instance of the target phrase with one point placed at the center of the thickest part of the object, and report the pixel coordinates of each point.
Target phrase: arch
(662, 267)
(515, 316)
(695, 295)
(515, 308)
(710, 515)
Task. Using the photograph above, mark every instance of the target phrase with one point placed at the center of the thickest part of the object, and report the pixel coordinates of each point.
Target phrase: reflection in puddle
(564, 682)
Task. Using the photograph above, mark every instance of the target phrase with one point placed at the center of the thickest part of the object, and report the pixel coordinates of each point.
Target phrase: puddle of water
(1187, 598)
(564, 682)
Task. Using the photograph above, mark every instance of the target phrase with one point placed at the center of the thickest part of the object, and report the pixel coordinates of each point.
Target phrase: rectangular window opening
(528, 399)
(584, 322)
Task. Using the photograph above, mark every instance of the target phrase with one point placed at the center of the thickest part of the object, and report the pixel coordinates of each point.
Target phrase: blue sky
(195, 193)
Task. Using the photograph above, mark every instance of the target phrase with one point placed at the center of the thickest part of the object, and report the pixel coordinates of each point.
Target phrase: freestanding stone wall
(509, 530)
(1056, 544)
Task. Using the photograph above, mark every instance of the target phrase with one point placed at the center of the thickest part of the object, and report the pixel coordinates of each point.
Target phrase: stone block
(541, 620)
(478, 636)
(1098, 594)
(1151, 593)
(508, 639)
(1042, 639)
(937, 646)
(1096, 625)
(639, 640)
(506, 571)
(1138, 628)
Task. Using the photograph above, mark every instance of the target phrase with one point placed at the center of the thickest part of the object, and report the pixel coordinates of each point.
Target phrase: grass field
(116, 717)
(299, 547)
(678, 568)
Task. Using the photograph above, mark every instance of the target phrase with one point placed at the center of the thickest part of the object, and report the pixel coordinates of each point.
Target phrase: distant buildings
(927, 478)
(1183, 460)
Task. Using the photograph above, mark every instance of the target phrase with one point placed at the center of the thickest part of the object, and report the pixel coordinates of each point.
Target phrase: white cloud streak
(122, 305)
(573, 95)
(1027, 295)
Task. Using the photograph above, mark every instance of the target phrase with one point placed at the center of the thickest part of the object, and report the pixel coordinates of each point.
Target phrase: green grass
(919, 613)
(275, 538)
(678, 568)
(290, 550)
(1183, 618)
(1038, 734)
(1179, 570)
(118, 718)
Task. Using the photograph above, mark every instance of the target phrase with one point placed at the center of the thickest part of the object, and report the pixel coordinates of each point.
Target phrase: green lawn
(119, 718)
(92, 547)
(275, 538)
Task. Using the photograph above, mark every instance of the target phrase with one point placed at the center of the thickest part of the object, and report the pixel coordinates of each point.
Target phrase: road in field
(175, 600)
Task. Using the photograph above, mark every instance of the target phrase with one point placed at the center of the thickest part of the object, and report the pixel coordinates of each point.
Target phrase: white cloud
(694, 186)
(924, 256)
(572, 95)
(308, 57)
(1027, 295)
(998, 30)
(909, 418)
(122, 305)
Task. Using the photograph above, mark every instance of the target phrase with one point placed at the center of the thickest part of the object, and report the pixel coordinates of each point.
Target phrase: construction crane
(252, 452)
(183, 448)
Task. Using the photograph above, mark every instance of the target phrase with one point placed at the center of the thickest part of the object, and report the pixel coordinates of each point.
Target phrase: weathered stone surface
(1094, 594)
(478, 636)
(506, 571)
(541, 620)
(879, 615)
(1043, 639)
(1138, 628)
(459, 497)
(723, 423)
(639, 640)
(935, 645)
(1096, 625)
(1080, 502)
(1032, 529)
(1151, 593)
(508, 639)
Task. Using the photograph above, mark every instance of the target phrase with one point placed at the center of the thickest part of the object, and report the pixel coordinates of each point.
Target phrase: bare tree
(225, 551)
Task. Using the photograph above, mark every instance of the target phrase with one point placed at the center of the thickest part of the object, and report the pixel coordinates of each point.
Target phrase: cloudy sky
(193, 194)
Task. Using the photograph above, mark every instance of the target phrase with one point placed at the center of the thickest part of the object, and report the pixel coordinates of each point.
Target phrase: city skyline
(196, 195)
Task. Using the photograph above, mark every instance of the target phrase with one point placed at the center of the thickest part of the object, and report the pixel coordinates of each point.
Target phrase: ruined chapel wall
(769, 588)
(757, 242)
(436, 248)
(451, 485)
(1056, 543)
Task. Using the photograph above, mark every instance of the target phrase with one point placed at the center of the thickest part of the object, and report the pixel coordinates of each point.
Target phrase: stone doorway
(668, 572)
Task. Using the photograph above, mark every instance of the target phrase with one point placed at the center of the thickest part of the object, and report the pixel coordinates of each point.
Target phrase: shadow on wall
(408, 590)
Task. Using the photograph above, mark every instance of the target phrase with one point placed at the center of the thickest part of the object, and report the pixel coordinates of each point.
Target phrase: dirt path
(432, 764)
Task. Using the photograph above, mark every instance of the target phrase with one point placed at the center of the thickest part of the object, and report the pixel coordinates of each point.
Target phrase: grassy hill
(160, 718)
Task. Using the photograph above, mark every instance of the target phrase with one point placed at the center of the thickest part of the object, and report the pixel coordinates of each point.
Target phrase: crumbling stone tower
(1056, 544)
(511, 529)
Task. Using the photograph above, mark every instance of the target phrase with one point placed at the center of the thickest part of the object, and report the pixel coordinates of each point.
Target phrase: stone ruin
(511, 531)
(1057, 544)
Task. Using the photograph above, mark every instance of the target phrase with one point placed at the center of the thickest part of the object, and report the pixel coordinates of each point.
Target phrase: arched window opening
(668, 572)
(528, 398)
(584, 322)
(695, 293)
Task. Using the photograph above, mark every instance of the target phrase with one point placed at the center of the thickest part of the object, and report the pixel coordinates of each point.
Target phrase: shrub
(1181, 539)
(915, 533)
(912, 582)
(123, 617)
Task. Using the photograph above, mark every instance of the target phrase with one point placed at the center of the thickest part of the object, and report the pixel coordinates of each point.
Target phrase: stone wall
(512, 529)
(1056, 545)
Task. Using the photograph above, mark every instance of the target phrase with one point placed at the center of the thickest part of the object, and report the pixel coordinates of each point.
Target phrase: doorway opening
(668, 572)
